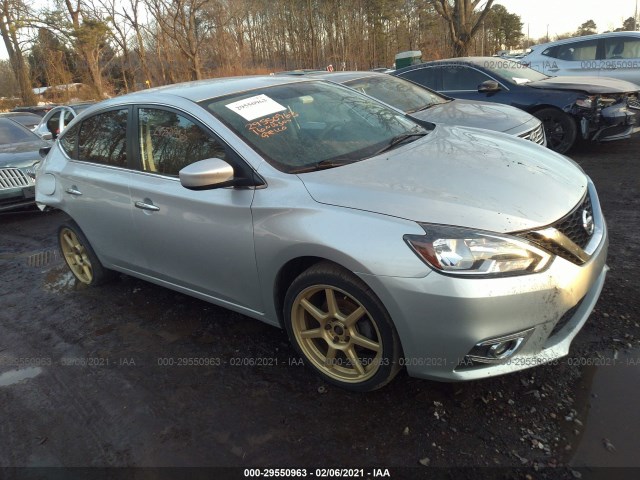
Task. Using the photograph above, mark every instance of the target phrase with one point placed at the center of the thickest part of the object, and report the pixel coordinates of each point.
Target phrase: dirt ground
(105, 377)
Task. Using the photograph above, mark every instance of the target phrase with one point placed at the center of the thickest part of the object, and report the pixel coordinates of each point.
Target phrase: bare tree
(463, 21)
(9, 27)
(185, 23)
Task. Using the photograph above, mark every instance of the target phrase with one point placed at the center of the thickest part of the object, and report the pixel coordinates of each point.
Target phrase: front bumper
(17, 189)
(441, 318)
(617, 122)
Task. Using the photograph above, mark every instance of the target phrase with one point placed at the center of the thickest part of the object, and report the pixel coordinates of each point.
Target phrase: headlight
(459, 251)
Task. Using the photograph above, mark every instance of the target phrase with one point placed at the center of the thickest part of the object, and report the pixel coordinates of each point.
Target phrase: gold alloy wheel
(337, 333)
(76, 256)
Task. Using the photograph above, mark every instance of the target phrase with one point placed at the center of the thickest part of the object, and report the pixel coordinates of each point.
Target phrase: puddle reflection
(16, 376)
(607, 407)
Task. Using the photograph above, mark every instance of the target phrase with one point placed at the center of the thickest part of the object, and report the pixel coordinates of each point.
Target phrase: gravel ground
(99, 388)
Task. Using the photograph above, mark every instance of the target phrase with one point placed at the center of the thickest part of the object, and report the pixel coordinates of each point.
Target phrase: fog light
(496, 350)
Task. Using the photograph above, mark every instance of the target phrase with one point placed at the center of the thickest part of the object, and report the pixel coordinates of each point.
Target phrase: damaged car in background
(377, 244)
(570, 107)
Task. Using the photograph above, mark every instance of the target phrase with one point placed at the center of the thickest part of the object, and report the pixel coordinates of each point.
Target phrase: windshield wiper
(398, 139)
(321, 165)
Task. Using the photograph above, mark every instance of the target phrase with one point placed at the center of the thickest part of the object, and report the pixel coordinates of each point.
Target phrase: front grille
(571, 226)
(536, 135)
(14, 178)
(635, 104)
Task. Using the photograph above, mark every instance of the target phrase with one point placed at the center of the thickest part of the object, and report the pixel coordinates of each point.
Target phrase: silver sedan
(456, 253)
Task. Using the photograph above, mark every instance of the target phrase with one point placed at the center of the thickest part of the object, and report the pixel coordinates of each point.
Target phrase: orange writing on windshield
(269, 126)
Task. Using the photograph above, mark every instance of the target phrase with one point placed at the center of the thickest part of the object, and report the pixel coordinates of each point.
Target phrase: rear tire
(80, 257)
(559, 127)
(341, 328)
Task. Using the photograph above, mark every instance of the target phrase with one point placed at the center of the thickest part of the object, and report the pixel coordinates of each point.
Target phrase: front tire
(559, 127)
(80, 257)
(341, 328)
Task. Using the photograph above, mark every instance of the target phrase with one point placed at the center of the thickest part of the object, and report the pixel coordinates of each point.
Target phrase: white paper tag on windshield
(520, 81)
(255, 107)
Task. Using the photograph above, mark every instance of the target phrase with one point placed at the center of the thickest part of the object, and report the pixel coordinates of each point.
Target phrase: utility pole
(547, 33)
(635, 17)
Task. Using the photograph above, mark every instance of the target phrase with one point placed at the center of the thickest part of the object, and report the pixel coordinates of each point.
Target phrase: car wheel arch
(288, 273)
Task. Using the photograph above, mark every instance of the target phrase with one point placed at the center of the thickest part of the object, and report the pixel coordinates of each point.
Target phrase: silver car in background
(56, 119)
(376, 243)
(612, 54)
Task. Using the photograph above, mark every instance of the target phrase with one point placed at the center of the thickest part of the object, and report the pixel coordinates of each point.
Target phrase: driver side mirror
(205, 174)
(489, 86)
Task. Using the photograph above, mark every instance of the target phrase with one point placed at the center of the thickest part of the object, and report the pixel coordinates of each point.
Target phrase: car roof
(587, 37)
(19, 114)
(337, 76)
(474, 61)
(199, 90)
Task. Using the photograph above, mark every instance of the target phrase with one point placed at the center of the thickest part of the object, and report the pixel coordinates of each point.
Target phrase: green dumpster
(404, 59)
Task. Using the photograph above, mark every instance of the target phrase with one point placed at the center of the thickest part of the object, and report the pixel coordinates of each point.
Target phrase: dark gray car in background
(426, 105)
(19, 154)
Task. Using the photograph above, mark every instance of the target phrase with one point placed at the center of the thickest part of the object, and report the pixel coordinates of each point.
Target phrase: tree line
(117, 46)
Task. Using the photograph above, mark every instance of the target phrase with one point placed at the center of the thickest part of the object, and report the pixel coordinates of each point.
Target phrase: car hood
(458, 176)
(21, 154)
(467, 113)
(591, 85)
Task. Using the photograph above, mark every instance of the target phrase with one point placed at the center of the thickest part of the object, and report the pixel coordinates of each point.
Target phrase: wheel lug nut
(335, 339)
(327, 327)
(347, 338)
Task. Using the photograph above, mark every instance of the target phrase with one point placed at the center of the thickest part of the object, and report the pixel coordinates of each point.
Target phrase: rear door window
(577, 51)
(429, 77)
(103, 139)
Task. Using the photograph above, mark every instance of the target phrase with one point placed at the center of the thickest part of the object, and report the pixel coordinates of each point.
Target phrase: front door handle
(553, 69)
(147, 206)
(73, 190)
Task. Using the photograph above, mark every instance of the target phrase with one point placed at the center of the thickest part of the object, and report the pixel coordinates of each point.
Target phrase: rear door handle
(73, 190)
(147, 206)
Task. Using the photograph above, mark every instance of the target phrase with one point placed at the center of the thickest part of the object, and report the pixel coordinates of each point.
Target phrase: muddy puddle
(16, 376)
(605, 427)
(60, 279)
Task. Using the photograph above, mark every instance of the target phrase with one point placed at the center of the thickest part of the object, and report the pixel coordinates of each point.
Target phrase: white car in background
(614, 54)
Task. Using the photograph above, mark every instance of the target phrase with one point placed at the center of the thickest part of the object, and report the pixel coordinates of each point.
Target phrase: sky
(561, 16)
(567, 15)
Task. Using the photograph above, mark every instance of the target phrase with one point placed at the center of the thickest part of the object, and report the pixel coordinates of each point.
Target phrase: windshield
(397, 92)
(11, 132)
(515, 72)
(299, 125)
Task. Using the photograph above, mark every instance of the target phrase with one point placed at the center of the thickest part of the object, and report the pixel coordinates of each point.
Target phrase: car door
(95, 184)
(621, 58)
(198, 240)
